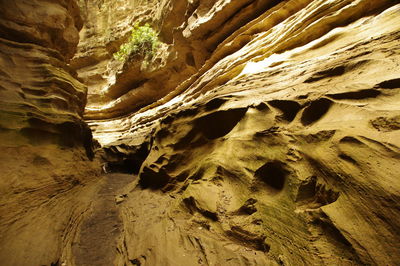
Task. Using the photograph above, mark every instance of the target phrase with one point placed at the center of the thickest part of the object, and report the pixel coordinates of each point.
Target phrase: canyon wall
(261, 132)
(282, 147)
(46, 154)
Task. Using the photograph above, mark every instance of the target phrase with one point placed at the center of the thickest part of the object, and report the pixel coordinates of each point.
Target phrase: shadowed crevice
(315, 111)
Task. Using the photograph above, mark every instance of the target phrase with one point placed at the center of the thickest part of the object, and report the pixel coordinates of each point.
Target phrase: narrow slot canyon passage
(205, 132)
(102, 226)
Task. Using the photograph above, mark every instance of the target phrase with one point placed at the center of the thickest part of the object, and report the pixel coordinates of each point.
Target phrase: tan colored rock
(263, 133)
(52, 24)
(41, 102)
(48, 175)
(187, 30)
(45, 192)
(117, 88)
(282, 149)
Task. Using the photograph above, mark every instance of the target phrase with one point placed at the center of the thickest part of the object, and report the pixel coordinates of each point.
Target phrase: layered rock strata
(45, 146)
(261, 133)
(189, 32)
(118, 88)
(282, 148)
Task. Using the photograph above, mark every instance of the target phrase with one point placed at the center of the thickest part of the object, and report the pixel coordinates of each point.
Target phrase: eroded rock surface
(261, 133)
(282, 148)
(46, 155)
(118, 88)
(189, 32)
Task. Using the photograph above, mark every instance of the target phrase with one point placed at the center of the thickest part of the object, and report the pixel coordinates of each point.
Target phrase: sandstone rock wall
(45, 146)
(262, 133)
(281, 149)
(42, 102)
(189, 31)
(118, 88)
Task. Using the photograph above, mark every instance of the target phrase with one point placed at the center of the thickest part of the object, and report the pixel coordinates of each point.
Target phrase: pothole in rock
(356, 95)
(271, 175)
(220, 123)
(210, 127)
(315, 111)
(289, 109)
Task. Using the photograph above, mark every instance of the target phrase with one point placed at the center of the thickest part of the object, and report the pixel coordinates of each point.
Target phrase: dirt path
(100, 230)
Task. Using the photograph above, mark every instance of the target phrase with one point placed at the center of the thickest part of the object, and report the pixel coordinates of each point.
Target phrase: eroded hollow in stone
(315, 111)
(153, 178)
(220, 123)
(273, 174)
(289, 109)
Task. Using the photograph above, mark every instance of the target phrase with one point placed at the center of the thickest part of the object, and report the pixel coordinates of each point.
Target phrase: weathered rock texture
(45, 147)
(261, 133)
(189, 31)
(118, 88)
(282, 148)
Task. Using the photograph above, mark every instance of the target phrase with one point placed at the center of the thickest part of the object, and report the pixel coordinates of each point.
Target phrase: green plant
(143, 41)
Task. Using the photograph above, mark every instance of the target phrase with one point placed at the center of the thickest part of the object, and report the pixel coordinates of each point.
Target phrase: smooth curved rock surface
(189, 31)
(282, 149)
(48, 174)
(263, 133)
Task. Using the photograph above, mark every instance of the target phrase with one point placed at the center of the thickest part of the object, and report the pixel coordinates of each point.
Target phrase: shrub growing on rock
(143, 41)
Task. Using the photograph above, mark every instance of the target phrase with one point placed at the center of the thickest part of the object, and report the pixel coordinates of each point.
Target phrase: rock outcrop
(189, 31)
(281, 149)
(118, 88)
(262, 132)
(45, 146)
